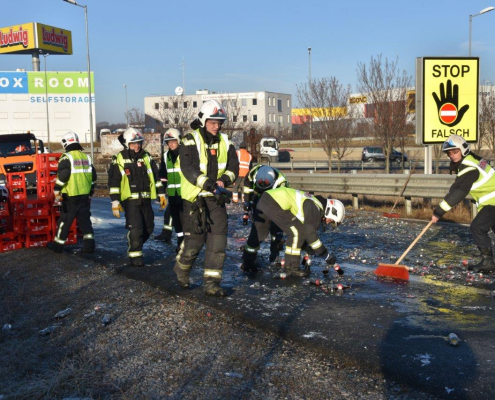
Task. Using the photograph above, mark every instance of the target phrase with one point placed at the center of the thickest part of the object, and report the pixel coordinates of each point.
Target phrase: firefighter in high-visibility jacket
(475, 177)
(245, 161)
(299, 215)
(170, 177)
(134, 183)
(208, 164)
(74, 186)
(260, 179)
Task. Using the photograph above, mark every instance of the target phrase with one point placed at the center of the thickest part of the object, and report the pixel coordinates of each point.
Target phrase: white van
(105, 132)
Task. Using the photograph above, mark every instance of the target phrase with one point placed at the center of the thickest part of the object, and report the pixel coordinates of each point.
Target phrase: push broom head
(393, 271)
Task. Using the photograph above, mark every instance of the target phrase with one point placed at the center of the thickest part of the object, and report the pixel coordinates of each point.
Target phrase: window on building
(244, 118)
(165, 105)
(234, 103)
(195, 104)
(255, 102)
(176, 121)
(244, 102)
(288, 119)
(269, 117)
(157, 106)
(288, 103)
(255, 118)
(167, 122)
(281, 120)
(185, 104)
(234, 118)
(269, 101)
(176, 105)
(279, 105)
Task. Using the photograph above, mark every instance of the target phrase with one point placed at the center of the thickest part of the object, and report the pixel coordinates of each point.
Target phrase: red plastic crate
(38, 240)
(11, 241)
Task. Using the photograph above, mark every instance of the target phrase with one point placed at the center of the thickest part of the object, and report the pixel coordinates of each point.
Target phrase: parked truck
(263, 149)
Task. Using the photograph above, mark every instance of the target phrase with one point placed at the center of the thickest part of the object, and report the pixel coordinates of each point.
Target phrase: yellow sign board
(32, 37)
(450, 99)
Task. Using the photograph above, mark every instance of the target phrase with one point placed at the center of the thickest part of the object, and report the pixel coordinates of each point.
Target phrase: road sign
(448, 90)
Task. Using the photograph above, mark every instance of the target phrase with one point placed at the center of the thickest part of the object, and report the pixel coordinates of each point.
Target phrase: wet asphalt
(395, 329)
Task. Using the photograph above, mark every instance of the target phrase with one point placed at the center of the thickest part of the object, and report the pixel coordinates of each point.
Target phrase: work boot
(88, 246)
(56, 247)
(165, 236)
(297, 272)
(486, 264)
(249, 263)
(136, 262)
(182, 276)
(213, 288)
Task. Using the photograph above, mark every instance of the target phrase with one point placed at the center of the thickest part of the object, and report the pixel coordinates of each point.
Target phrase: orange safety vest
(244, 161)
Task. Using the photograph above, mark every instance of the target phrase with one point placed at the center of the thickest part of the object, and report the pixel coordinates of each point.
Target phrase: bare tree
(175, 112)
(487, 119)
(239, 117)
(135, 117)
(386, 89)
(327, 101)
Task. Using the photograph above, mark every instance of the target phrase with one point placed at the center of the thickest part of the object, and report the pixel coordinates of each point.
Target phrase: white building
(259, 110)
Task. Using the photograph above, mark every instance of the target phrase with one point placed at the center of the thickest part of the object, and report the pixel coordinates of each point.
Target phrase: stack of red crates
(32, 223)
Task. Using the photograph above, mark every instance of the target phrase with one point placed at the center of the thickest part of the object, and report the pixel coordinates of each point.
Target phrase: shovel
(391, 214)
(399, 271)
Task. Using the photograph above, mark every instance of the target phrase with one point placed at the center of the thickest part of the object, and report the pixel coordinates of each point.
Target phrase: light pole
(485, 10)
(310, 104)
(89, 74)
(126, 113)
(45, 55)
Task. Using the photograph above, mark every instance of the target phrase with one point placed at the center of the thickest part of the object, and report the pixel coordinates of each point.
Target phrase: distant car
(284, 156)
(376, 153)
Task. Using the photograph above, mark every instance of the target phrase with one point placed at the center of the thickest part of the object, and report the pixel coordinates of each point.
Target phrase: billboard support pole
(36, 61)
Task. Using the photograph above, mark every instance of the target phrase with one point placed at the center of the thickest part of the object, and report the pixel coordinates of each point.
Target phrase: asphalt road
(398, 330)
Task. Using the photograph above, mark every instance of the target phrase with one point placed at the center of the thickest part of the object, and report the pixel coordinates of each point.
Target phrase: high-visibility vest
(81, 174)
(125, 190)
(173, 174)
(244, 161)
(483, 190)
(293, 200)
(191, 190)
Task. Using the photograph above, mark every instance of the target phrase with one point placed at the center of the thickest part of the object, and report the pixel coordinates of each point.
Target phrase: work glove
(58, 197)
(222, 195)
(210, 186)
(248, 206)
(163, 202)
(117, 208)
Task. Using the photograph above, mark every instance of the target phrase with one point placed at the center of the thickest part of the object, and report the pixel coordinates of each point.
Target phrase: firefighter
(74, 186)
(245, 160)
(170, 177)
(299, 215)
(476, 177)
(134, 183)
(208, 164)
(260, 179)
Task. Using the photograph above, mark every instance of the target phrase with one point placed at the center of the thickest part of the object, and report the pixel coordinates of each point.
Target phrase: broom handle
(404, 187)
(414, 242)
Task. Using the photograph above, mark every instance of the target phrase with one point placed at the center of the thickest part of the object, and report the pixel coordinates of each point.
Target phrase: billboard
(449, 90)
(24, 97)
(33, 36)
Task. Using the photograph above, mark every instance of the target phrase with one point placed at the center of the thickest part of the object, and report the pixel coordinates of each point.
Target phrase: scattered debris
(63, 313)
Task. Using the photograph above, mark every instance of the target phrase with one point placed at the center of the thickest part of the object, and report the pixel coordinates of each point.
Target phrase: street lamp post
(485, 10)
(310, 104)
(89, 74)
(45, 55)
(126, 112)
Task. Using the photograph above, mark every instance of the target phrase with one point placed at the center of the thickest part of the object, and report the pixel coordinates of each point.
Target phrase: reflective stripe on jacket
(244, 161)
(173, 175)
(293, 200)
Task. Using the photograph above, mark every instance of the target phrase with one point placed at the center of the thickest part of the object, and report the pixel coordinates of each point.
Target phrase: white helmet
(265, 178)
(131, 135)
(335, 211)
(211, 109)
(171, 134)
(69, 138)
(456, 142)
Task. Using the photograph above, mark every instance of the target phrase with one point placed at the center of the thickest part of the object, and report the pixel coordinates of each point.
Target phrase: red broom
(397, 271)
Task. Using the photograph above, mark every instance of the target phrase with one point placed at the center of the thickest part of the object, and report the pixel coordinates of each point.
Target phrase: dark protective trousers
(276, 234)
(214, 235)
(481, 225)
(72, 208)
(172, 218)
(267, 211)
(139, 220)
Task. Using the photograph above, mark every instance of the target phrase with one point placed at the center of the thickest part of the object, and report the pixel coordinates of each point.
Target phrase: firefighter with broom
(475, 177)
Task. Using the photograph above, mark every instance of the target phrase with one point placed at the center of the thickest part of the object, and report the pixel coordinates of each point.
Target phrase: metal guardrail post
(315, 166)
(408, 206)
(292, 166)
(355, 202)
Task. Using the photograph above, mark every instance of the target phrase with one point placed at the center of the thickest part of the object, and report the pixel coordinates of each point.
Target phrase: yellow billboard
(54, 40)
(32, 37)
(450, 98)
(18, 39)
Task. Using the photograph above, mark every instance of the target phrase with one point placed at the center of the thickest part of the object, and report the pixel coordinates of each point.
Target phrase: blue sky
(233, 46)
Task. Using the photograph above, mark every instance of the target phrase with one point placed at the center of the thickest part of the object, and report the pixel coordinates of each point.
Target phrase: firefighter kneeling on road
(208, 164)
(74, 186)
(299, 215)
(476, 177)
(170, 177)
(260, 179)
(134, 183)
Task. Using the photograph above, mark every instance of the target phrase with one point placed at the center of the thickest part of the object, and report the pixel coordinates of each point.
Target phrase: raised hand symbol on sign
(448, 105)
